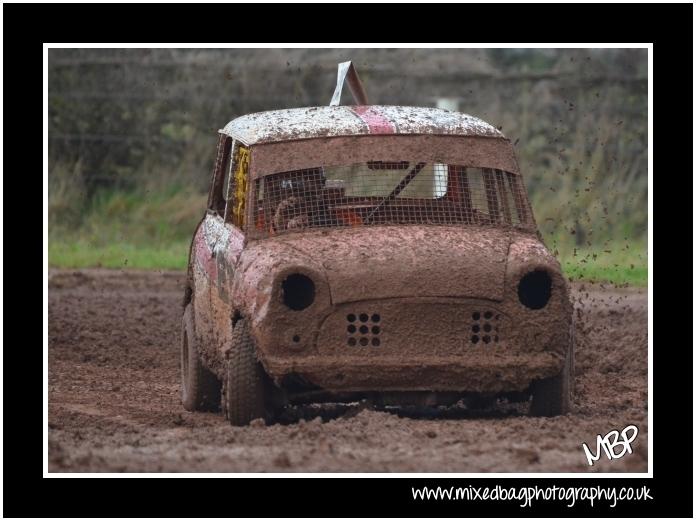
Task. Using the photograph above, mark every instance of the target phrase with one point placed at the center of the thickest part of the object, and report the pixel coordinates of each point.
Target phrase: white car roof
(314, 122)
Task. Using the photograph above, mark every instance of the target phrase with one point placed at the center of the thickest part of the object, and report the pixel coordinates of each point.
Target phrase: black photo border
(27, 26)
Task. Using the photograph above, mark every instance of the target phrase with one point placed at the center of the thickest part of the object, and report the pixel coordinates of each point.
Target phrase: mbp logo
(609, 441)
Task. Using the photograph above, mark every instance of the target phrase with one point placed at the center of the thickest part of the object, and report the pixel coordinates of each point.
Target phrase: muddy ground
(114, 398)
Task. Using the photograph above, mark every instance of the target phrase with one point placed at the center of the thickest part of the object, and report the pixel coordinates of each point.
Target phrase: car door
(208, 235)
(227, 240)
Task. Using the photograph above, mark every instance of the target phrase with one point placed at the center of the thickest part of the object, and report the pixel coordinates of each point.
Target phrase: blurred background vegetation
(132, 134)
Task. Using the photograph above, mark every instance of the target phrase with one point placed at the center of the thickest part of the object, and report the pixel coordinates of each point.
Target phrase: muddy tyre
(200, 388)
(552, 396)
(248, 392)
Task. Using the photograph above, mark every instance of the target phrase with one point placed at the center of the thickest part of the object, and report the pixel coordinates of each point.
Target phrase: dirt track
(114, 398)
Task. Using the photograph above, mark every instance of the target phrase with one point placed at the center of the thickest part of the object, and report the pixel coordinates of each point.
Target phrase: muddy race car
(385, 253)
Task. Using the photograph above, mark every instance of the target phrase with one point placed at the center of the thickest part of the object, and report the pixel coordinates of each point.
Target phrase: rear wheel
(248, 392)
(200, 388)
(552, 396)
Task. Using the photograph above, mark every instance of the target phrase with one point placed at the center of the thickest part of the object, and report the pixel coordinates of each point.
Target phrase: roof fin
(354, 83)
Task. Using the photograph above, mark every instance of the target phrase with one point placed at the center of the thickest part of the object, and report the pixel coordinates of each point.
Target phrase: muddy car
(386, 253)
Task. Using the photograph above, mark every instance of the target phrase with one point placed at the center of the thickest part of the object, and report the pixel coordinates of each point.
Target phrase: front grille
(407, 328)
(363, 329)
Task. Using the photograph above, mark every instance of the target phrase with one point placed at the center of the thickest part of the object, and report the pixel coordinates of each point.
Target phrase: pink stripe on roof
(374, 119)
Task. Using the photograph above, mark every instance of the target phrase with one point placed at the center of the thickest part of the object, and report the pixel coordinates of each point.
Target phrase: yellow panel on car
(240, 184)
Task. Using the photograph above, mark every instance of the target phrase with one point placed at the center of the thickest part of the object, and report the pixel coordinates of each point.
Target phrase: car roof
(332, 121)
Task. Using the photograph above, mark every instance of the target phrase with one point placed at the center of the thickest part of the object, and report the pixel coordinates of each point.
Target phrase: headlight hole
(534, 289)
(298, 291)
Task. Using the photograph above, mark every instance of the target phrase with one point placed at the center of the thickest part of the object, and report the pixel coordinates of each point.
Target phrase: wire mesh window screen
(384, 192)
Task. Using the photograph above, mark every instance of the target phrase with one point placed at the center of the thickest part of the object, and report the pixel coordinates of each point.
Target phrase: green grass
(621, 275)
(617, 262)
(80, 254)
(174, 255)
(142, 229)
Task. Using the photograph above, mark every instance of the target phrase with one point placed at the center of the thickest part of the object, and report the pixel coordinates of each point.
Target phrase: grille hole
(363, 317)
(352, 341)
(487, 315)
(364, 329)
(351, 318)
(363, 341)
(474, 339)
(486, 339)
(296, 338)
(351, 328)
(375, 330)
(476, 328)
(476, 315)
(375, 341)
(376, 317)
(487, 328)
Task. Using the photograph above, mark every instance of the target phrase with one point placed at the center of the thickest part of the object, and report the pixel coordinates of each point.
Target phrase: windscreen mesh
(383, 192)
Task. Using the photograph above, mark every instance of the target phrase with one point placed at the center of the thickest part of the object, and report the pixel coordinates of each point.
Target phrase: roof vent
(347, 70)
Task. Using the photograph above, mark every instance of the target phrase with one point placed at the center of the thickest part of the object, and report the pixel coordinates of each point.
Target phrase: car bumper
(499, 375)
(463, 345)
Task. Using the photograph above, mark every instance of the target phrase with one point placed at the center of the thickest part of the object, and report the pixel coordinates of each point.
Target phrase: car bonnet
(380, 262)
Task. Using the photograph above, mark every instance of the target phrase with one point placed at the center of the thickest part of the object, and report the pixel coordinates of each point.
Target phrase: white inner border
(648, 474)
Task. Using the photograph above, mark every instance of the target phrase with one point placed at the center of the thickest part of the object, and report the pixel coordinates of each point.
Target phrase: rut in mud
(114, 398)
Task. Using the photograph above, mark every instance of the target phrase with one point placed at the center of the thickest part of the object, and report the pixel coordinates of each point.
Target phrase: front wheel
(247, 391)
(200, 388)
(552, 396)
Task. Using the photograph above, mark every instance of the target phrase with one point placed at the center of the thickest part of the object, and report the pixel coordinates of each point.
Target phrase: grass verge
(174, 255)
(620, 275)
(79, 254)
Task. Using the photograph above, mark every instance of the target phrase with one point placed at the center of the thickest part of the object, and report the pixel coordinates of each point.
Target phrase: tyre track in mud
(114, 401)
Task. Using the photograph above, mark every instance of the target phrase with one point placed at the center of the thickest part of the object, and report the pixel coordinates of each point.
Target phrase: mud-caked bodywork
(376, 250)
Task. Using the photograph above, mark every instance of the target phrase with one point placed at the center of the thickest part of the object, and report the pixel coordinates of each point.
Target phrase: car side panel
(226, 254)
(204, 273)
